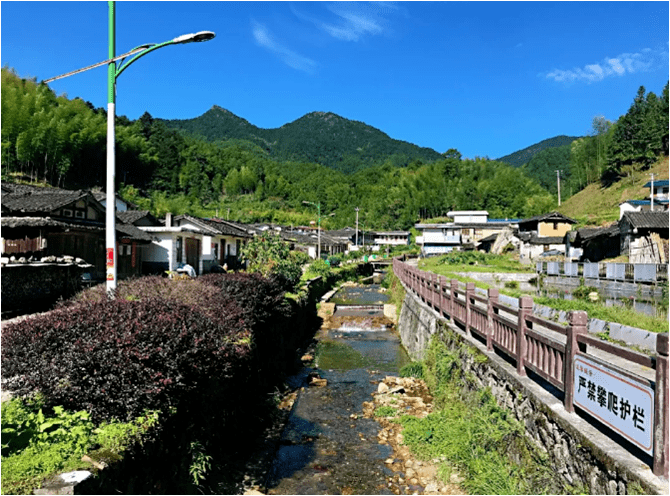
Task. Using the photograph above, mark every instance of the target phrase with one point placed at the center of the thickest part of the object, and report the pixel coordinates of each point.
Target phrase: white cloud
(289, 57)
(626, 63)
(350, 25)
(352, 21)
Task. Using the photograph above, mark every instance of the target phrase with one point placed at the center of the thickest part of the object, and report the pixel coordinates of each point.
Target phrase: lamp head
(194, 37)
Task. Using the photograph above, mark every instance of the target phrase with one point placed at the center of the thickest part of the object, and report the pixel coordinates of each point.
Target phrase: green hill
(598, 205)
(319, 137)
(521, 157)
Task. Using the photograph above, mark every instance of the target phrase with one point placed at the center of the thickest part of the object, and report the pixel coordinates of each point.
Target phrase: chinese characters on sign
(619, 402)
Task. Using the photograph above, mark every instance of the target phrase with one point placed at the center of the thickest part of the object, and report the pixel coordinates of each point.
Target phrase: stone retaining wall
(580, 453)
(34, 286)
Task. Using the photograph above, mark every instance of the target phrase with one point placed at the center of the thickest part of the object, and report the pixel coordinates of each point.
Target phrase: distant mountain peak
(320, 137)
(216, 108)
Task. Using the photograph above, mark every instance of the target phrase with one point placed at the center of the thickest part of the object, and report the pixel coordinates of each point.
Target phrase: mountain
(521, 157)
(320, 137)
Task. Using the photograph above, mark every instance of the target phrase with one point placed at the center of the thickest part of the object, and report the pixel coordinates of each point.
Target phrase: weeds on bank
(38, 443)
(472, 433)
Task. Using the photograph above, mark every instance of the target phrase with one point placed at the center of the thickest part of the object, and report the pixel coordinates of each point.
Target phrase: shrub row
(151, 347)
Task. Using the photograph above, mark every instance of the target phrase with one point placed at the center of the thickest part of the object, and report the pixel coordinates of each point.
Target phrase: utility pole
(558, 181)
(652, 192)
(357, 209)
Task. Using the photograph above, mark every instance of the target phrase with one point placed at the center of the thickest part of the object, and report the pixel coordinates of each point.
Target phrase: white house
(392, 238)
(470, 227)
(438, 239)
(200, 243)
(469, 216)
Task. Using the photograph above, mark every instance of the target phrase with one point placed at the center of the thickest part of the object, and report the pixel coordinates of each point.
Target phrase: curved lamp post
(318, 208)
(113, 72)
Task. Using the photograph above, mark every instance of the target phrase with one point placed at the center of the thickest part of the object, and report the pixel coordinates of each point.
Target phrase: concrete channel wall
(579, 451)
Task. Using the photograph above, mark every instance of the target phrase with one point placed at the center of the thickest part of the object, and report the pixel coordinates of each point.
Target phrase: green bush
(582, 292)
(319, 268)
(38, 442)
(414, 369)
(385, 411)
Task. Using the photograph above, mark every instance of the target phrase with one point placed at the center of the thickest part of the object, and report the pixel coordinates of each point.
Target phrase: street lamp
(318, 208)
(357, 209)
(113, 72)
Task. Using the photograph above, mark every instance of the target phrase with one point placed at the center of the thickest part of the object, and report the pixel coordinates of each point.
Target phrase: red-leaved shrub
(116, 358)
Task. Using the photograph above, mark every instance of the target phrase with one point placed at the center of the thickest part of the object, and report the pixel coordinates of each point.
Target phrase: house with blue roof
(658, 199)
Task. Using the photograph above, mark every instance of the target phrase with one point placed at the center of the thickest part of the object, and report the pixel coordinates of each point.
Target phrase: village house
(470, 229)
(659, 195)
(593, 244)
(41, 222)
(543, 233)
(200, 243)
(644, 236)
(391, 238)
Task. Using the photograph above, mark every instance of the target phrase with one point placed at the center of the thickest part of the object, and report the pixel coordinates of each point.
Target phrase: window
(67, 212)
(180, 244)
(80, 214)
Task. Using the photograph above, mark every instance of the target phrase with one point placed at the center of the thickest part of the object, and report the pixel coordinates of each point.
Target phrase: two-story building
(543, 233)
(469, 230)
(41, 222)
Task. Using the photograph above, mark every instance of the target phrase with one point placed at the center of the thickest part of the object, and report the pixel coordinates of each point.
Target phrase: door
(193, 253)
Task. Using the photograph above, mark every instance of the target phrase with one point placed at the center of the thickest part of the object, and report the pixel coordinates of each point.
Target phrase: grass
(473, 261)
(386, 411)
(474, 435)
(598, 205)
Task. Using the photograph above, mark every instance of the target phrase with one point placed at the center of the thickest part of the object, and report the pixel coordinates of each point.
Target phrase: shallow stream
(327, 447)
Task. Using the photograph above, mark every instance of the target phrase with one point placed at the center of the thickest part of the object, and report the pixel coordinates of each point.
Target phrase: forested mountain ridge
(54, 140)
(521, 157)
(319, 137)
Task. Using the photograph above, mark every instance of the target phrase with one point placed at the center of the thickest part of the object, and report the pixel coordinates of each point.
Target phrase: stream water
(327, 447)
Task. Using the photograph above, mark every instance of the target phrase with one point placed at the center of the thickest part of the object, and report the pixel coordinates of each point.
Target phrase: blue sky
(486, 78)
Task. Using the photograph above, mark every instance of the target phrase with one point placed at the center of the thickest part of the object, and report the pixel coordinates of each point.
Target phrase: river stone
(382, 388)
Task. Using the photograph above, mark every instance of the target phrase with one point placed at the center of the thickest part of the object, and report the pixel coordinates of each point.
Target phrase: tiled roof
(132, 233)
(549, 217)
(588, 233)
(13, 222)
(662, 182)
(132, 216)
(39, 200)
(546, 240)
(647, 220)
(491, 238)
(657, 201)
(226, 227)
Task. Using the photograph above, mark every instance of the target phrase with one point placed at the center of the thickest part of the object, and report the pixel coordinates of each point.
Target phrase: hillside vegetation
(248, 174)
(319, 137)
(521, 157)
(598, 205)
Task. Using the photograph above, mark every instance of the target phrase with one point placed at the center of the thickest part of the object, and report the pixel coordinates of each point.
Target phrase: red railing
(540, 345)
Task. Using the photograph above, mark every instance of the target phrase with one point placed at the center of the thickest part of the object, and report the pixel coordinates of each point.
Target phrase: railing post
(452, 303)
(493, 298)
(660, 467)
(525, 309)
(469, 291)
(440, 289)
(576, 325)
(431, 287)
